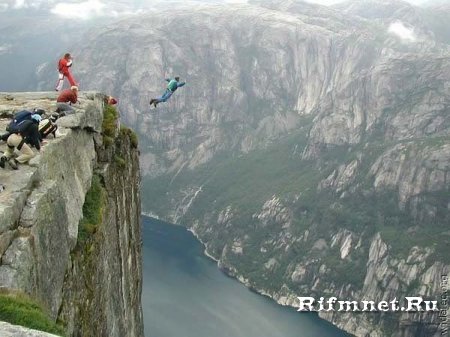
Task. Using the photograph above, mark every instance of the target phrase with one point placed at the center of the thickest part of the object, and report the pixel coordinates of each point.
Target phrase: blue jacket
(174, 84)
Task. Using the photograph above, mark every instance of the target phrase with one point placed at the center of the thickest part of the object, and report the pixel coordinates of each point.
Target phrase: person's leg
(71, 79)
(26, 153)
(166, 96)
(60, 82)
(13, 141)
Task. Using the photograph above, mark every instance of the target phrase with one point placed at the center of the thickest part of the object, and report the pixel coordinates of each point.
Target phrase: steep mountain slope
(309, 150)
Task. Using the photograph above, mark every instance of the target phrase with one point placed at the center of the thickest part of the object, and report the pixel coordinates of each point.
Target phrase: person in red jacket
(65, 100)
(109, 100)
(64, 65)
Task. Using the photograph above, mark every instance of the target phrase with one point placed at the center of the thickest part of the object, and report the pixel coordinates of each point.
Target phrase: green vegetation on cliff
(92, 209)
(127, 132)
(19, 309)
(109, 125)
(245, 181)
(89, 236)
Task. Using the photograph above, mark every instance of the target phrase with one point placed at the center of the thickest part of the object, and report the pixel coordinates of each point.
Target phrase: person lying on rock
(65, 100)
(27, 133)
(172, 86)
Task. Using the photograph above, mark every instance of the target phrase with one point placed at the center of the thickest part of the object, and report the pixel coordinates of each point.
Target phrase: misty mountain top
(399, 23)
(65, 25)
(88, 9)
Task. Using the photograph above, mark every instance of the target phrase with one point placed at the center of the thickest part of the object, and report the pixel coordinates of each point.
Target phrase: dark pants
(64, 107)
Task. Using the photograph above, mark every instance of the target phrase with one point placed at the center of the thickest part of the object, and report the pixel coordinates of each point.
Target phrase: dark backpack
(18, 120)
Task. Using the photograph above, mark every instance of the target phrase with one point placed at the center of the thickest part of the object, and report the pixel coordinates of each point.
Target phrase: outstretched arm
(180, 84)
(167, 79)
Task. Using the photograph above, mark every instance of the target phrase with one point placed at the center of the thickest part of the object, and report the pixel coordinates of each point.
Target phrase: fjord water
(185, 294)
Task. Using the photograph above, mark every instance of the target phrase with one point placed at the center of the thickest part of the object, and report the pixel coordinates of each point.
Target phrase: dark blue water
(186, 295)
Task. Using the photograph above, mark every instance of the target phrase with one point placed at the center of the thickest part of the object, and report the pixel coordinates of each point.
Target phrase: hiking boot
(53, 117)
(155, 103)
(13, 164)
(151, 101)
(3, 160)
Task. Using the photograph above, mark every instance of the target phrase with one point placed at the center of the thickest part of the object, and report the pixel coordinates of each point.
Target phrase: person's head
(177, 78)
(67, 56)
(36, 118)
(74, 88)
(39, 111)
(112, 100)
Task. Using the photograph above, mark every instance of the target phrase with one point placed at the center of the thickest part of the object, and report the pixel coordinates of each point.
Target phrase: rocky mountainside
(70, 222)
(309, 150)
(429, 23)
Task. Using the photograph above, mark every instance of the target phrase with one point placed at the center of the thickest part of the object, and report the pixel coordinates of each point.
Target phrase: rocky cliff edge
(92, 286)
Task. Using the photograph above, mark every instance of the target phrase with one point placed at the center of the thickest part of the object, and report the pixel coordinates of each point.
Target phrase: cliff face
(91, 283)
(249, 85)
(309, 149)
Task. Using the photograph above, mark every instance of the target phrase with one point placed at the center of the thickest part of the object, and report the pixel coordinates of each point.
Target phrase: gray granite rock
(95, 294)
(9, 330)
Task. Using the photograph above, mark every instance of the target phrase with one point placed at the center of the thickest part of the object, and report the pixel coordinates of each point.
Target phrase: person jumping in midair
(64, 65)
(172, 86)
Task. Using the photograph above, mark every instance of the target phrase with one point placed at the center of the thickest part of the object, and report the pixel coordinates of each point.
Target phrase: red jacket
(64, 65)
(112, 100)
(67, 96)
